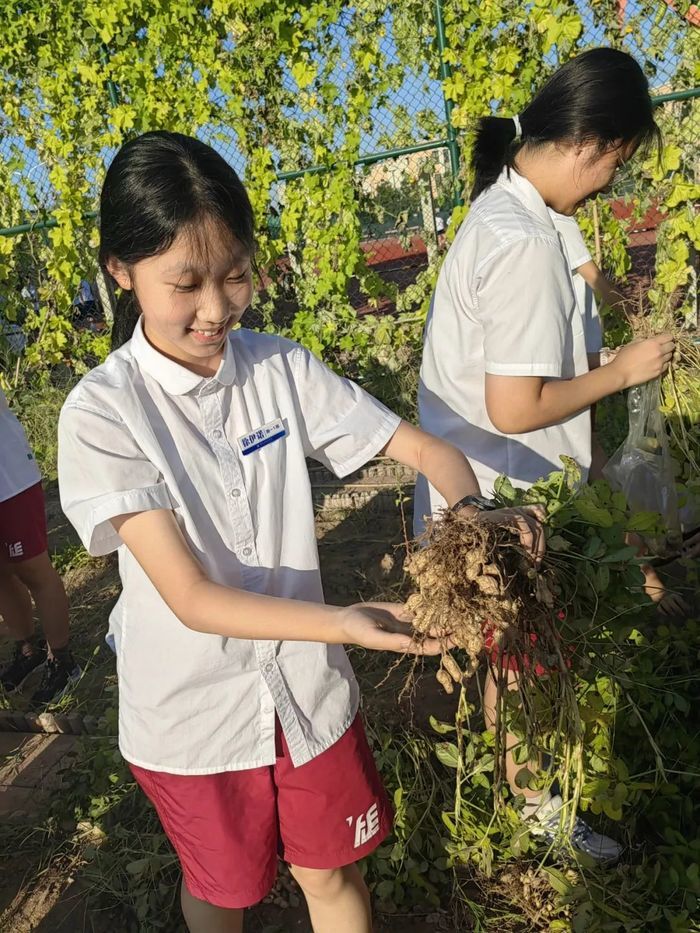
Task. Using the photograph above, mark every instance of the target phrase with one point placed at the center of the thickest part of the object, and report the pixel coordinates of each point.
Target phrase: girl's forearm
(562, 398)
(519, 404)
(214, 609)
(443, 465)
(448, 470)
(157, 543)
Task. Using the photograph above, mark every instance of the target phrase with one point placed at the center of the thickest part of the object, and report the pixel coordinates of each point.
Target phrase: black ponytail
(159, 185)
(126, 315)
(494, 147)
(601, 95)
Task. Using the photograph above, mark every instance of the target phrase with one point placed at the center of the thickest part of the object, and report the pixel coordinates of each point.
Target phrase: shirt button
(269, 667)
(235, 493)
(247, 551)
(217, 434)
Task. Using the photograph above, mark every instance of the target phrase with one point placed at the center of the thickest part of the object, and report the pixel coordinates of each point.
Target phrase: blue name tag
(262, 437)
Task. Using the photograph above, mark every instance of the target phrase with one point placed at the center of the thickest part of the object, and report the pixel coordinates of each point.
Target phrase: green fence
(407, 164)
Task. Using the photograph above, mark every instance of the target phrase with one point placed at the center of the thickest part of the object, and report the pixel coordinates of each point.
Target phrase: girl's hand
(385, 627)
(642, 360)
(668, 602)
(526, 522)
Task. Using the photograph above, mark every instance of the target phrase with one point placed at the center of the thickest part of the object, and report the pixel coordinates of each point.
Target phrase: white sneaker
(546, 824)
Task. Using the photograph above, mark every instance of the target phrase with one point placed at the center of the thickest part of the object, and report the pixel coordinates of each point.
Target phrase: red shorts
(508, 661)
(23, 532)
(229, 829)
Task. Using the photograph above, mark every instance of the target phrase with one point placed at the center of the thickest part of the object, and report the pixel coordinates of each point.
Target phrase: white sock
(536, 806)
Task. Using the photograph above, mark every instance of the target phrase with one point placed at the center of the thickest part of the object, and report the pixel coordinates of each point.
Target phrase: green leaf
(620, 556)
(602, 579)
(594, 547)
(611, 811)
(504, 489)
(681, 192)
(520, 840)
(644, 522)
(441, 727)
(447, 819)
(557, 881)
(523, 778)
(572, 473)
(593, 514)
(384, 889)
(447, 753)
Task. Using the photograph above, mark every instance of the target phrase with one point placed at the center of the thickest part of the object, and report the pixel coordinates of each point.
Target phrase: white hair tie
(518, 128)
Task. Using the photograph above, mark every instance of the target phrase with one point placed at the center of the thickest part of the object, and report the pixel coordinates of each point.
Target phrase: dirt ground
(361, 556)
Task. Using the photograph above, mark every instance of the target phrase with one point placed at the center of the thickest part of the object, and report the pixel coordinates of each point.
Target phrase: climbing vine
(288, 86)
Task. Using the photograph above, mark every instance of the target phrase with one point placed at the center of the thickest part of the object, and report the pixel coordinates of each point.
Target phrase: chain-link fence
(407, 174)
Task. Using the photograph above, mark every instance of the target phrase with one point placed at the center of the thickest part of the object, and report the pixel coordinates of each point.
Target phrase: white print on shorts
(366, 826)
(16, 549)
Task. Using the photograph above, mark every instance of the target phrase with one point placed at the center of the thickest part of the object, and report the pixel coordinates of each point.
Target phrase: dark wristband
(478, 502)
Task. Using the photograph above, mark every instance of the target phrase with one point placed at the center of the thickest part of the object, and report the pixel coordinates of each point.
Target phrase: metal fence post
(111, 86)
(445, 73)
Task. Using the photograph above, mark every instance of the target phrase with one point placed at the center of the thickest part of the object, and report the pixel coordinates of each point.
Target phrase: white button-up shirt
(503, 304)
(227, 455)
(18, 469)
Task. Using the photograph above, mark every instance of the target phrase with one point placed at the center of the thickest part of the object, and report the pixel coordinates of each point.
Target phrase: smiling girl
(185, 452)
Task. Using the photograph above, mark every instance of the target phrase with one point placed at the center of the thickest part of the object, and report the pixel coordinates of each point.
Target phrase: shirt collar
(525, 192)
(173, 377)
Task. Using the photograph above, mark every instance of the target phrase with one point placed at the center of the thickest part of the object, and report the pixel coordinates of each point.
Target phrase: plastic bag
(642, 467)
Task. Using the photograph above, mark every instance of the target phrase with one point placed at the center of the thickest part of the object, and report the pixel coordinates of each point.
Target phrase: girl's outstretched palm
(385, 627)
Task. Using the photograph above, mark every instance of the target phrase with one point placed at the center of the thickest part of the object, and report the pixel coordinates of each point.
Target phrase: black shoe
(59, 676)
(13, 675)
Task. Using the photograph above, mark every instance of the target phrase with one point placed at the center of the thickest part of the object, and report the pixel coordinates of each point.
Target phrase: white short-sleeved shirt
(227, 454)
(578, 255)
(503, 304)
(18, 468)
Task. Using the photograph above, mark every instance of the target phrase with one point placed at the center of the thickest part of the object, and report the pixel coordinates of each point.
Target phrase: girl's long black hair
(601, 95)
(159, 185)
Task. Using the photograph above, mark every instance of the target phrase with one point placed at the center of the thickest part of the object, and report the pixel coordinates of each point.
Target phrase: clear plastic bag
(642, 467)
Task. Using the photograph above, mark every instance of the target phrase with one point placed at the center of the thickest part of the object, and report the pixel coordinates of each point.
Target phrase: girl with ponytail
(505, 374)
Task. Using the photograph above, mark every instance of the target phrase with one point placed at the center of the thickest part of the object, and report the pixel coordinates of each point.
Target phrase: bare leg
(337, 898)
(202, 917)
(490, 698)
(45, 585)
(15, 605)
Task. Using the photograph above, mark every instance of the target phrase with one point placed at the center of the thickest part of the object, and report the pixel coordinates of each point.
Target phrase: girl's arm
(518, 404)
(444, 466)
(448, 470)
(156, 541)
